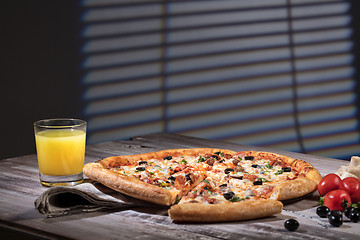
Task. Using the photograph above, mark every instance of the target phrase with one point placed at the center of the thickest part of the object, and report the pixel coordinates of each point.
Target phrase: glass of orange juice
(60, 146)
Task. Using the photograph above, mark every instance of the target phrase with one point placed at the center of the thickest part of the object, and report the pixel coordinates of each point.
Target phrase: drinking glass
(60, 146)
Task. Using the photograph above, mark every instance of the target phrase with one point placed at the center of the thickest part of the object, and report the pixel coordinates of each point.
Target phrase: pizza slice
(162, 177)
(277, 176)
(211, 201)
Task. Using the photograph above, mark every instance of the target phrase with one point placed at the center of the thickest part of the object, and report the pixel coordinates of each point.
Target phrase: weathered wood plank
(19, 187)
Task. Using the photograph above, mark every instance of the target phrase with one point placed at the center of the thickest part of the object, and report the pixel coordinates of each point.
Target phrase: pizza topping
(269, 166)
(183, 161)
(190, 177)
(139, 169)
(228, 170)
(218, 153)
(168, 158)
(210, 161)
(235, 161)
(172, 178)
(224, 188)
(249, 193)
(211, 200)
(251, 177)
(258, 182)
(237, 176)
(215, 157)
(229, 195)
(201, 159)
(179, 168)
(180, 182)
(286, 169)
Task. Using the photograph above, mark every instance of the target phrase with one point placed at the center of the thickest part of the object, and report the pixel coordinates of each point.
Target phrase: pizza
(208, 184)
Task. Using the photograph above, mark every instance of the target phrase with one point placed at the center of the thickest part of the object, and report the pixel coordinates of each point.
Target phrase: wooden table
(19, 187)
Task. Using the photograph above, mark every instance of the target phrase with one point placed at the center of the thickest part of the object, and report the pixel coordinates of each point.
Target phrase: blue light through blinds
(275, 73)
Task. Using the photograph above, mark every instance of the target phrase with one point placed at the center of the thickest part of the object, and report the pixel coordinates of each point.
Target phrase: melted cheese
(227, 179)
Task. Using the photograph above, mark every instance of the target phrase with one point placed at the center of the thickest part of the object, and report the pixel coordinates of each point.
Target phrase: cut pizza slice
(211, 201)
(162, 177)
(276, 176)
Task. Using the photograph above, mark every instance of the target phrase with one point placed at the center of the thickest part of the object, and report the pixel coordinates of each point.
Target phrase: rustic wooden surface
(19, 187)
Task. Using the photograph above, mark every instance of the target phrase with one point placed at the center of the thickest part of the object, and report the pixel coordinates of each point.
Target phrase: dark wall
(40, 61)
(41, 67)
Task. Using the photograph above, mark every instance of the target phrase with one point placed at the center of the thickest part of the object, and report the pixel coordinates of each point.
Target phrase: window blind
(274, 73)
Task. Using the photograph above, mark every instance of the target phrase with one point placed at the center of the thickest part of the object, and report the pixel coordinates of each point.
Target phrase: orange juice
(60, 152)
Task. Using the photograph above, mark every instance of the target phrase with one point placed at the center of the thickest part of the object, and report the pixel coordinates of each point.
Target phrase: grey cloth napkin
(85, 197)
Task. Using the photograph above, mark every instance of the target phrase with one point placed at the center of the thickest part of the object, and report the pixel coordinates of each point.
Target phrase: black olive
(336, 220)
(140, 169)
(237, 177)
(254, 166)
(206, 188)
(172, 178)
(334, 213)
(348, 210)
(167, 158)
(217, 153)
(216, 157)
(221, 161)
(223, 185)
(142, 162)
(259, 182)
(354, 216)
(286, 169)
(228, 170)
(188, 178)
(229, 195)
(322, 211)
(291, 224)
(249, 158)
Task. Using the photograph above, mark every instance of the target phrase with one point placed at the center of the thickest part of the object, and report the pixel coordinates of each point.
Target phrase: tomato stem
(344, 203)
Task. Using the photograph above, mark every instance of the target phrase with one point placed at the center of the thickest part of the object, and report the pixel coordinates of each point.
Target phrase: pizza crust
(244, 210)
(293, 189)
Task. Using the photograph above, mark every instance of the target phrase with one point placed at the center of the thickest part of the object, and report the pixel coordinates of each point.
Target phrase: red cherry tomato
(355, 197)
(337, 200)
(352, 186)
(328, 183)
